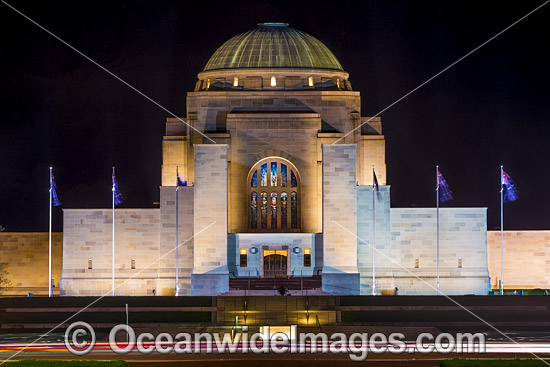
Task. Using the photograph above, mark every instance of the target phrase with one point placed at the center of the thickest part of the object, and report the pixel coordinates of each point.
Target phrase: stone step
(314, 282)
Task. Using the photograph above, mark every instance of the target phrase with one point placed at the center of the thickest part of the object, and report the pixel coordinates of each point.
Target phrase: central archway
(273, 196)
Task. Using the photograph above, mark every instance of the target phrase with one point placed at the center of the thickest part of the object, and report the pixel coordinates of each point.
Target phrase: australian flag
(119, 198)
(374, 181)
(508, 188)
(53, 186)
(179, 182)
(445, 193)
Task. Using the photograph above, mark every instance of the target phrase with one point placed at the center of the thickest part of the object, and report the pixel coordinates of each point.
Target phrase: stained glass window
(254, 210)
(264, 175)
(254, 181)
(263, 210)
(273, 210)
(293, 182)
(294, 209)
(283, 209)
(276, 208)
(273, 173)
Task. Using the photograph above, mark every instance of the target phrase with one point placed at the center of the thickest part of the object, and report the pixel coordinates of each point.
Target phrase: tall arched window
(278, 200)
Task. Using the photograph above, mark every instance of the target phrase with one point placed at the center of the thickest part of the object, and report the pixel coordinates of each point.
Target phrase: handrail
(318, 324)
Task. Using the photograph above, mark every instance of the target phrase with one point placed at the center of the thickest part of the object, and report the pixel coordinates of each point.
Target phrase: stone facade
(462, 244)
(167, 262)
(289, 124)
(406, 247)
(210, 274)
(307, 118)
(526, 259)
(382, 238)
(340, 275)
(26, 256)
(88, 245)
(294, 243)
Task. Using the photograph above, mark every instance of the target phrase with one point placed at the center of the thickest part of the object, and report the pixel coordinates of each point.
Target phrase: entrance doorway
(275, 263)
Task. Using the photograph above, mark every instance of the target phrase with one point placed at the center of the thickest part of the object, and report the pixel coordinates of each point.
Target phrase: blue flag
(55, 199)
(375, 181)
(445, 193)
(179, 182)
(119, 198)
(510, 193)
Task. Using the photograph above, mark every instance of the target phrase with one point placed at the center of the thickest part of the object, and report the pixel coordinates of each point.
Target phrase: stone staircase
(307, 286)
(272, 284)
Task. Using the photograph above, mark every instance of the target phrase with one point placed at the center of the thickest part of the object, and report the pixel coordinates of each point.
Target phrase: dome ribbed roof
(273, 45)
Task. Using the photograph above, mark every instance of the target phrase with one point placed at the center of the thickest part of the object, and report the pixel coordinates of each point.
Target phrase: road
(55, 350)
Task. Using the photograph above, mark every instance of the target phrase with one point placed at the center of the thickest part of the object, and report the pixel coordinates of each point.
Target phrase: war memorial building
(278, 165)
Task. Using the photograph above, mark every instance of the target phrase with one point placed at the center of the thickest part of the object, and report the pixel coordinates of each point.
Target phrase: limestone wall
(335, 106)
(526, 259)
(253, 136)
(88, 236)
(167, 263)
(371, 151)
(260, 124)
(175, 154)
(382, 239)
(26, 254)
(340, 275)
(287, 135)
(463, 251)
(210, 272)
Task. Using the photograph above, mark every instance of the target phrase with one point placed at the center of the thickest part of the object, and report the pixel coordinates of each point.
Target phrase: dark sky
(59, 109)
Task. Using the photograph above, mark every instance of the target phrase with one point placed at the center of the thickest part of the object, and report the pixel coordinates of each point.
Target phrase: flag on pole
(53, 186)
(375, 181)
(119, 198)
(179, 182)
(510, 193)
(445, 193)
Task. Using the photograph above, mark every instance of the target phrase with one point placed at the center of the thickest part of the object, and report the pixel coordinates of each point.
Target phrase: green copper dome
(273, 45)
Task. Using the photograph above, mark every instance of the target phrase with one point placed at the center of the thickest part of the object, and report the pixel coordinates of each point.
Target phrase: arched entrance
(273, 196)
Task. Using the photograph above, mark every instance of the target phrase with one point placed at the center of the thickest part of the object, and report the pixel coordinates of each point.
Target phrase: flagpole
(177, 230)
(113, 268)
(501, 232)
(50, 241)
(437, 205)
(373, 236)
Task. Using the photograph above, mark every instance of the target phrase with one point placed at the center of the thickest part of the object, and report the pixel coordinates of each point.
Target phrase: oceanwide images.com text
(80, 339)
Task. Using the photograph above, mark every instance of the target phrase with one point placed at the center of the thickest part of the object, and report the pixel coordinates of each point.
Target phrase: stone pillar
(210, 273)
(167, 261)
(340, 274)
(383, 258)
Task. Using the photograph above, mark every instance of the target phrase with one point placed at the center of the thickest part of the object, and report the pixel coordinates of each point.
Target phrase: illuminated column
(340, 274)
(210, 274)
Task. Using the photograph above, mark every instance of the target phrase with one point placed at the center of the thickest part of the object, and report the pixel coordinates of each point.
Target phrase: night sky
(59, 109)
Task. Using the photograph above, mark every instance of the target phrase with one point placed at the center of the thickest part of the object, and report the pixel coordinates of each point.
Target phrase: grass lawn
(494, 363)
(50, 363)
